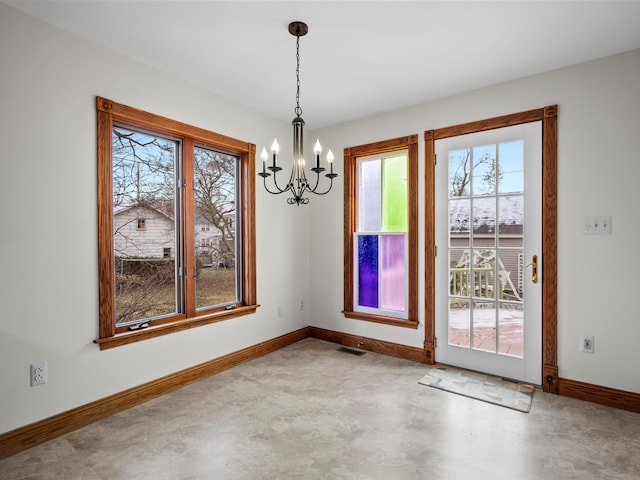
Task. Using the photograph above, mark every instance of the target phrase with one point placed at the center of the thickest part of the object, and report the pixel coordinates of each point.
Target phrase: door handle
(534, 268)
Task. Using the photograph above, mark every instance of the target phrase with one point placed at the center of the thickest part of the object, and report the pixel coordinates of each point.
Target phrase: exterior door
(488, 271)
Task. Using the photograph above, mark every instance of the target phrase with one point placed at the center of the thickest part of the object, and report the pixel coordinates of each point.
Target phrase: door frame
(549, 117)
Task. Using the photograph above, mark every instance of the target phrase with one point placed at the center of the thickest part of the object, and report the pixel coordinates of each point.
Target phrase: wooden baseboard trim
(610, 397)
(379, 346)
(31, 435)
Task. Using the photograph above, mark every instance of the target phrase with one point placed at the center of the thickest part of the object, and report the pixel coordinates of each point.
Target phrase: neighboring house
(211, 247)
(141, 231)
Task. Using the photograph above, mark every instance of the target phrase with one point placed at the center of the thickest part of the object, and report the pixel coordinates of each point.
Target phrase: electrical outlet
(301, 304)
(279, 310)
(39, 373)
(587, 344)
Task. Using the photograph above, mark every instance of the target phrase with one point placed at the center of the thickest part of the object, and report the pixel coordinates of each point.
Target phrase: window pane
(394, 194)
(511, 219)
(459, 272)
(459, 322)
(459, 221)
(511, 172)
(215, 193)
(369, 196)
(484, 326)
(392, 274)
(459, 173)
(484, 170)
(484, 221)
(368, 271)
(144, 225)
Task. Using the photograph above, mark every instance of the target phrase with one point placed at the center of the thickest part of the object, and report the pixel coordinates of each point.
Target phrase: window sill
(398, 322)
(155, 331)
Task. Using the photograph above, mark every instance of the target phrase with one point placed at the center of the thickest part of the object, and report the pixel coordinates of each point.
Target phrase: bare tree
(214, 197)
(460, 178)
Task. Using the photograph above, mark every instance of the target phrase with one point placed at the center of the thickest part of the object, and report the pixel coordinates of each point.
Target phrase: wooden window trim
(410, 144)
(108, 113)
(549, 117)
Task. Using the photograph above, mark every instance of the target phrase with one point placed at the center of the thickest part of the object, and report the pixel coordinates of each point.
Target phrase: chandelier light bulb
(264, 155)
(317, 148)
(330, 156)
(275, 148)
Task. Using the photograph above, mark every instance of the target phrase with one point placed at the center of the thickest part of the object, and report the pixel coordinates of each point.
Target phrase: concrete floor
(310, 412)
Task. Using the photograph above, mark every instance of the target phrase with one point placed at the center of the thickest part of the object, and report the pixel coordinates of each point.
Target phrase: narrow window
(381, 232)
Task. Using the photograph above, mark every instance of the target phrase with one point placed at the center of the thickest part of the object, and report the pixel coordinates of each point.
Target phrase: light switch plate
(596, 225)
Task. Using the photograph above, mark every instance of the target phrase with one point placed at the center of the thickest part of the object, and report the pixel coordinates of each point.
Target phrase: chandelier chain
(298, 110)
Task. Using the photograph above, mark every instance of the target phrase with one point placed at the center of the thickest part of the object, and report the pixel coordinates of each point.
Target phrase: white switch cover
(596, 225)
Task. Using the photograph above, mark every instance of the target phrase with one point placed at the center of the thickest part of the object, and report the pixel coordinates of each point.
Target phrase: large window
(381, 244)
(159, 181)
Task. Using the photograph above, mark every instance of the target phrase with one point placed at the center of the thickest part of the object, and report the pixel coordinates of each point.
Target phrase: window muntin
(381, 243)
(146, 169)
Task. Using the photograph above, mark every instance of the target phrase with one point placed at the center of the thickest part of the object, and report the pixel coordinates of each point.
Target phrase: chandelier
(298, 184)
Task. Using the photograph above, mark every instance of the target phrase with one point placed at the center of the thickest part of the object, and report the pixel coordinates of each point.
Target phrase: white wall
(48, 230)
(598, 172)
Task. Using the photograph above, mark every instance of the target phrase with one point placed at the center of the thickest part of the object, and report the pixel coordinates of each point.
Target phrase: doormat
(486, 388)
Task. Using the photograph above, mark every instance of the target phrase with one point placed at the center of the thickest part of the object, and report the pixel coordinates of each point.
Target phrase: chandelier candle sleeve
(275, 148)
(317, 149)
(264, 156)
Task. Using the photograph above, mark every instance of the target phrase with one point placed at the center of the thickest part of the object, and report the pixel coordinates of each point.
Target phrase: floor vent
(352, 351)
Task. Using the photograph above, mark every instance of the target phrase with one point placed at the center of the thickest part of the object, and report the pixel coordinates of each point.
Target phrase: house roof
(510, 214)
(119, 209)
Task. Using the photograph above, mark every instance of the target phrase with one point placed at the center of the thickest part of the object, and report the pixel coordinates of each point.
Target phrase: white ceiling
(360, 57)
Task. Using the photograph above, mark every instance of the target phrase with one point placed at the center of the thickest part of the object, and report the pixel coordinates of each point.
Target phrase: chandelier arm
(326, 191)
(279, 190)
(315, 187)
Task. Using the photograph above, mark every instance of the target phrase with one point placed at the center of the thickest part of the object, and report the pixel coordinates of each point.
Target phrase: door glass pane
(369, 196)
(510, 326)
(484, 326)
(511, 171)
(368, 281)
(484, 221)
(395, 212)
(459, 173)
(459, 322)
(144, 225)
(459, 221)
(459, 272)
(510, 274)
(484, 170)
(392, 274)
(484, 268)
(216, 238)
(510, 224)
